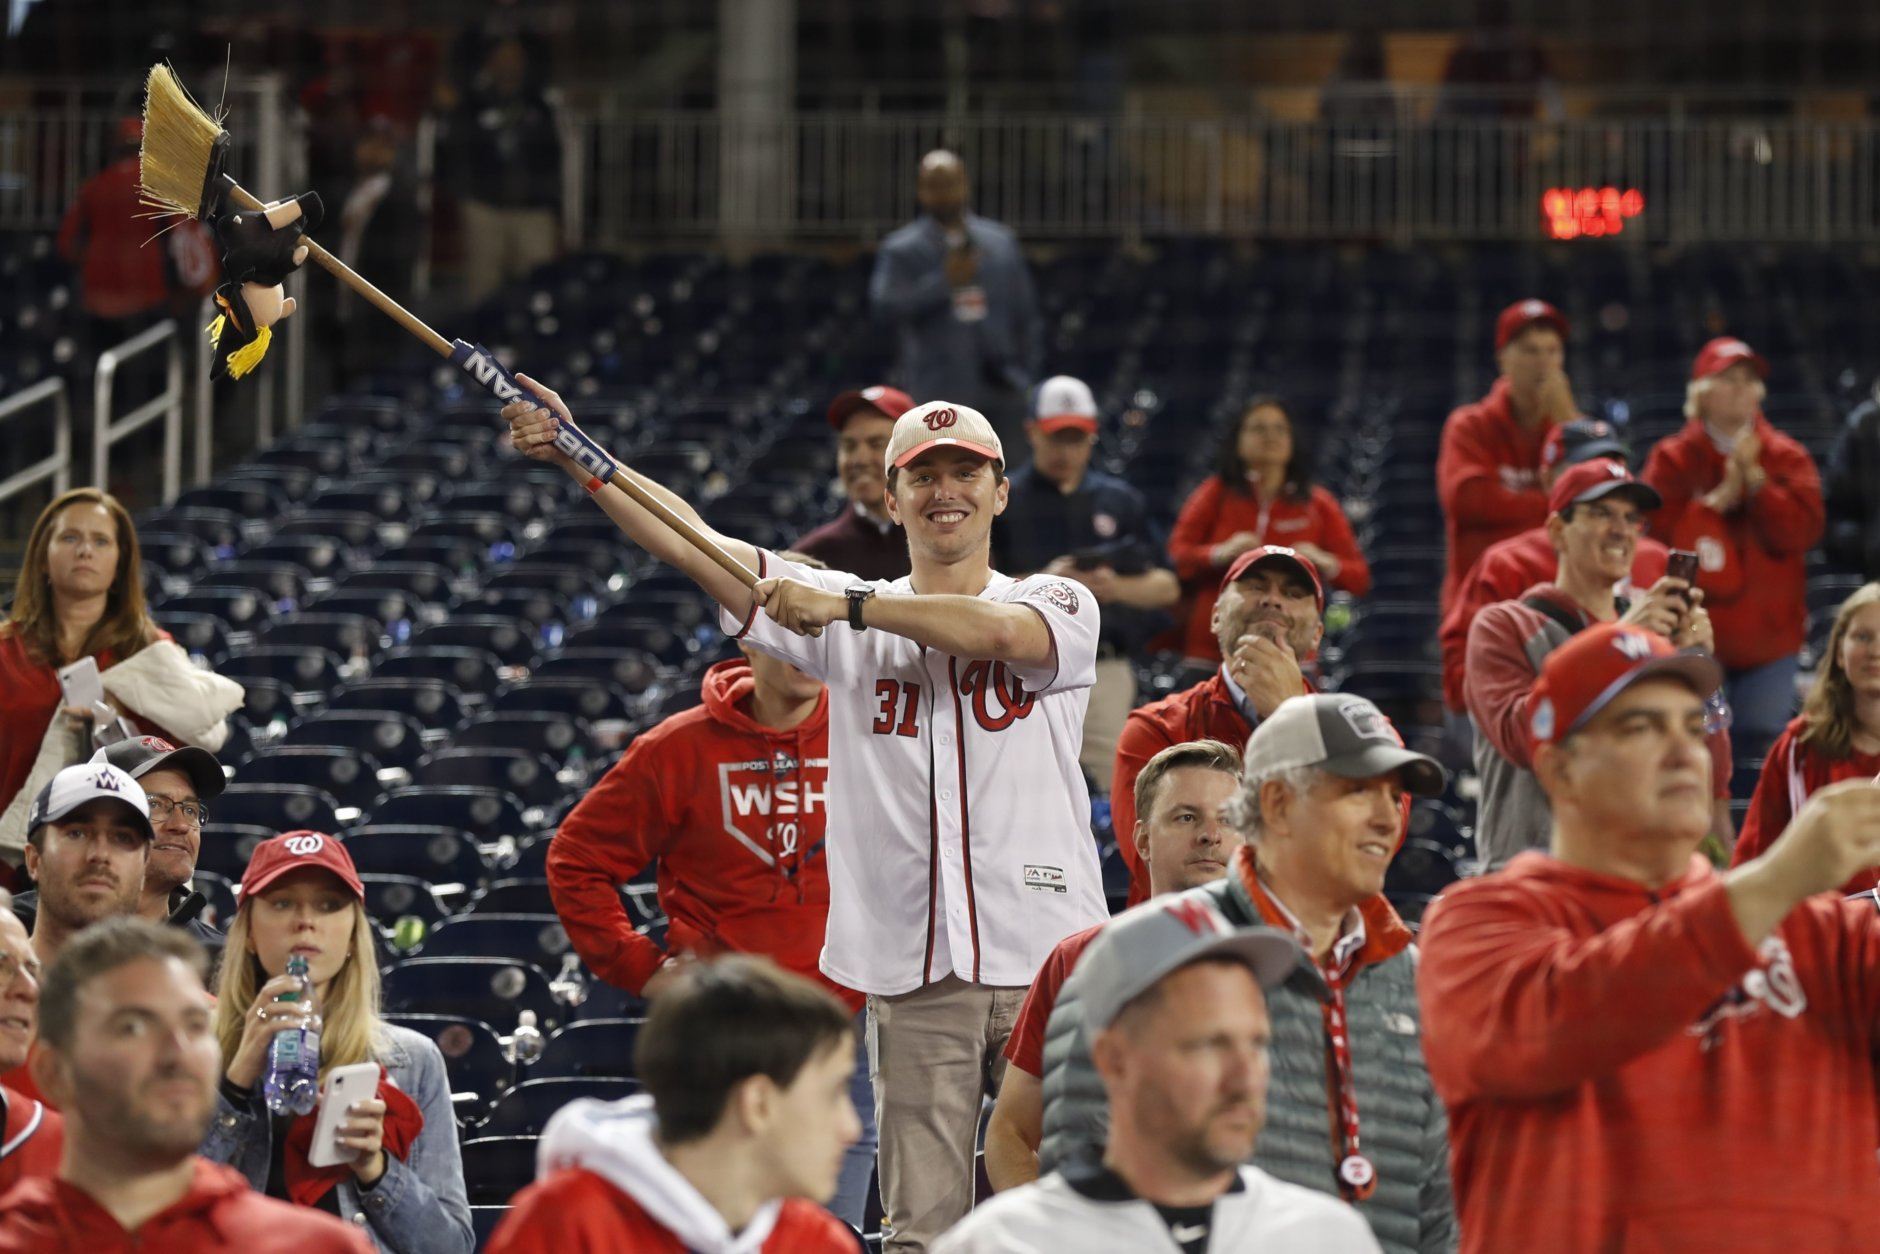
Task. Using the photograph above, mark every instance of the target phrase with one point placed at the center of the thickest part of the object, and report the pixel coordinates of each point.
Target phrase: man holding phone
(1063, 518)
(1597, 514)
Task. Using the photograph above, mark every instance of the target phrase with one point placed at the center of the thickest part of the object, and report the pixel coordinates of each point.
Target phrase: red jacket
(1623, 1071)
(1488, 480)
(32, 1135)
(1203, 712)
(219, 1212)
(577, 1212)
(1212, 514)
(122, 272)
(1751, 559)
(1792, 773)
(734, 813)
(1509, 568)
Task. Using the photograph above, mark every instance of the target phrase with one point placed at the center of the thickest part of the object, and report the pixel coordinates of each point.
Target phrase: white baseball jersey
(958, 824)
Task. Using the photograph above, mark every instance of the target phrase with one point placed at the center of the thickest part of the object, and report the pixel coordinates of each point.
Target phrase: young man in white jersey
(958, 821)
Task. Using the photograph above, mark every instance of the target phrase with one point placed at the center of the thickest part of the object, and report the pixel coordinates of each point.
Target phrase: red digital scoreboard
(1589, 212)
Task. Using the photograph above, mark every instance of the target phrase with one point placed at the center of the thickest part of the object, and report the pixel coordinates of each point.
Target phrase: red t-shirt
(574, 1211)
(31, 1139)
(1793, 772)
(1025, 1048)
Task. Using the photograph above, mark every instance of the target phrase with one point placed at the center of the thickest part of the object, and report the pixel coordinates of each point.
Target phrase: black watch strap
(858, 595)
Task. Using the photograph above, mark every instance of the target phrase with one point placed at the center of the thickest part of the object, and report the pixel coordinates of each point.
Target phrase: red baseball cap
(1523, 314)
(294, 851)
(1601, 477)
(1284, 556)
(1583, 675)
(1723, 352)
(892, 402)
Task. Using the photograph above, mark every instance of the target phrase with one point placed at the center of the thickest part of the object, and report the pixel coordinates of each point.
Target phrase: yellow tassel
(249, 355)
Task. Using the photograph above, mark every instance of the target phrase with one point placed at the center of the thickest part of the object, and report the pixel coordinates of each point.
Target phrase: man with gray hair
(1321, 805)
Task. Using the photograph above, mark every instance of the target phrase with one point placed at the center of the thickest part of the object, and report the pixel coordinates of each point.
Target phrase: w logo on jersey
(940, 419)
(998, 698)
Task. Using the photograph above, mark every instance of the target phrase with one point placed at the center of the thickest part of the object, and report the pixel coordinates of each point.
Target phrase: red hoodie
(1509, 568)
(1793, 772)
(1624, 1071)
(733, 811)
(1488, 480)
(219, 1212)
(1751, 560)
(577, 1212)
(1212, 514)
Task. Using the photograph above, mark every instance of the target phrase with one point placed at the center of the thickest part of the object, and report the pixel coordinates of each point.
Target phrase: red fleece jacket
(733, 811)
(1793, 772)
(1488, 481)
(1624, 1071)
(1211, 514)
(1509, 568)
(1752, 559)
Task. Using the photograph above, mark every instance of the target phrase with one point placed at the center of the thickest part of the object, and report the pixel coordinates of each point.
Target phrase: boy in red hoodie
(746, 1115)
(1747, 499)
(1488, 465)
(1637, 1052)
(729, 799)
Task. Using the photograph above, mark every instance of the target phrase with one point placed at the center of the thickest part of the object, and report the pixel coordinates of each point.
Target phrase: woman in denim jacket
(301, 896)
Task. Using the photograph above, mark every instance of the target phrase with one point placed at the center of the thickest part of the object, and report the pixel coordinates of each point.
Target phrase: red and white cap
(1523, 314)
(1279, 555)
(1062, 403)
(942, 423)
(891, 402)
(1601, 477)
(1582, 676)
(1723, 352)
(295, 851)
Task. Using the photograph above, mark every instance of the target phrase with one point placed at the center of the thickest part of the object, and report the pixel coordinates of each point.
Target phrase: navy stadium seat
(479, 1069)
(349, 635)
(529, 776)
(394, 739)
(495, 1169)
(486, 813)
(278, 807)
(322, 556)
(492, 990)
(200, 635)
(435, 853)
(515, 896)
(525, 1109)
(226, 847)
(282, 581)
(591, 1047)
(468, 670)
(390, 898)
(555, 735)
(570, 695)
(434, 703)
(632, 672)
(301, 668)
(511, 641)
(243, 609)
(348, 776)
(355, 529)
(426, 582)
(537, 938)
(219, 890)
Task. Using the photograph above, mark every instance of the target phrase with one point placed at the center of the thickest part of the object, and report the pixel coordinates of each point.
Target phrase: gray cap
(1344, 734)
(137, 756)
(1140, 946)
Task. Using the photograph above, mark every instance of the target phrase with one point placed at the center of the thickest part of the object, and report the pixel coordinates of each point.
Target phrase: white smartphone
(344, 1086)
(81, 684)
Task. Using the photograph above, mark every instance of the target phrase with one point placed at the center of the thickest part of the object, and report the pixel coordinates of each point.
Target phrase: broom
(184, 150)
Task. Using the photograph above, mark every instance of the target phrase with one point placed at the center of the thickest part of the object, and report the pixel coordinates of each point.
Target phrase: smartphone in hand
(1682, 564)
(344, 1086)
(80, 684)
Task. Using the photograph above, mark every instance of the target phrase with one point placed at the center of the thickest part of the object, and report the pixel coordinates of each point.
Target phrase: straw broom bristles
(180, 143)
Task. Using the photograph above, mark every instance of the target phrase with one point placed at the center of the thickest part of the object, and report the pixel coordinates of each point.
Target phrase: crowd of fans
(1604, 1040)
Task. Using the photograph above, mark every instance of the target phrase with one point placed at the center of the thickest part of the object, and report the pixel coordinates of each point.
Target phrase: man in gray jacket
(961, 299)
(1321, 806)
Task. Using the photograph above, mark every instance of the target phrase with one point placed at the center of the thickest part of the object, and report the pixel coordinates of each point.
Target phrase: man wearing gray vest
(1350, 1109)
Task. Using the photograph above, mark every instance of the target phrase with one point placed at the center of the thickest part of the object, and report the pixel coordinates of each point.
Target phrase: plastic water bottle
(292, 1082)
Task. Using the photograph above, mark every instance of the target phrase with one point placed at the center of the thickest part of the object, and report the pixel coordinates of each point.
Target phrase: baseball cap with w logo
(295, 851)
(940, 423)
(90, 781)
(1582, 676)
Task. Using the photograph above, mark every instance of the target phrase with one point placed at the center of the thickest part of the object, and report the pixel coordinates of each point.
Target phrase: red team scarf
(307, 1184)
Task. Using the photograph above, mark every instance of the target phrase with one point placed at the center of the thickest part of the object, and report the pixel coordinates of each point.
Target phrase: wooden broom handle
(442, 347)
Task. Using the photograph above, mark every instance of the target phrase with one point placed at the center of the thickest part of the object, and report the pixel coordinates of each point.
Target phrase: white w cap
(1061, 402)
(940, 423)
(89, 781)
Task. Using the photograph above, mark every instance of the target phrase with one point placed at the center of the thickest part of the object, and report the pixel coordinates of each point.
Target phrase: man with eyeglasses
(1596, 513)
(178, 783)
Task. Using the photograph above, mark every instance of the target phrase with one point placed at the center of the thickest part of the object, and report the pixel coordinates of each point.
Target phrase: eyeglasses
(194, 812)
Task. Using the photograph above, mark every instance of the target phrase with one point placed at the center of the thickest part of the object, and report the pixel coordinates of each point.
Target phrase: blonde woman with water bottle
(298, 999)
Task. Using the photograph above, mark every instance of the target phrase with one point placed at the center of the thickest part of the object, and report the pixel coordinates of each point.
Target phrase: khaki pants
(502, 244)
(934, 1054)
(1112, 697)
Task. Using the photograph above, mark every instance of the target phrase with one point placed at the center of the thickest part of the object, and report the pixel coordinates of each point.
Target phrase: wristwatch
(858, 595)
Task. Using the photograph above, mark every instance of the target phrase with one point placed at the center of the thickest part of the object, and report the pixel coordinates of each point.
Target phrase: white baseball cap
(940, 423)
(89, 781)
(1062, 402)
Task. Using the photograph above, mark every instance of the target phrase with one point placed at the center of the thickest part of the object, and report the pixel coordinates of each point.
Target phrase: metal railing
(56, 467)
(166, 404)
(1068, 176)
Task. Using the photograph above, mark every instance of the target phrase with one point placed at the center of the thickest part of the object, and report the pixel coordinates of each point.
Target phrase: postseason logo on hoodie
(765, 800)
